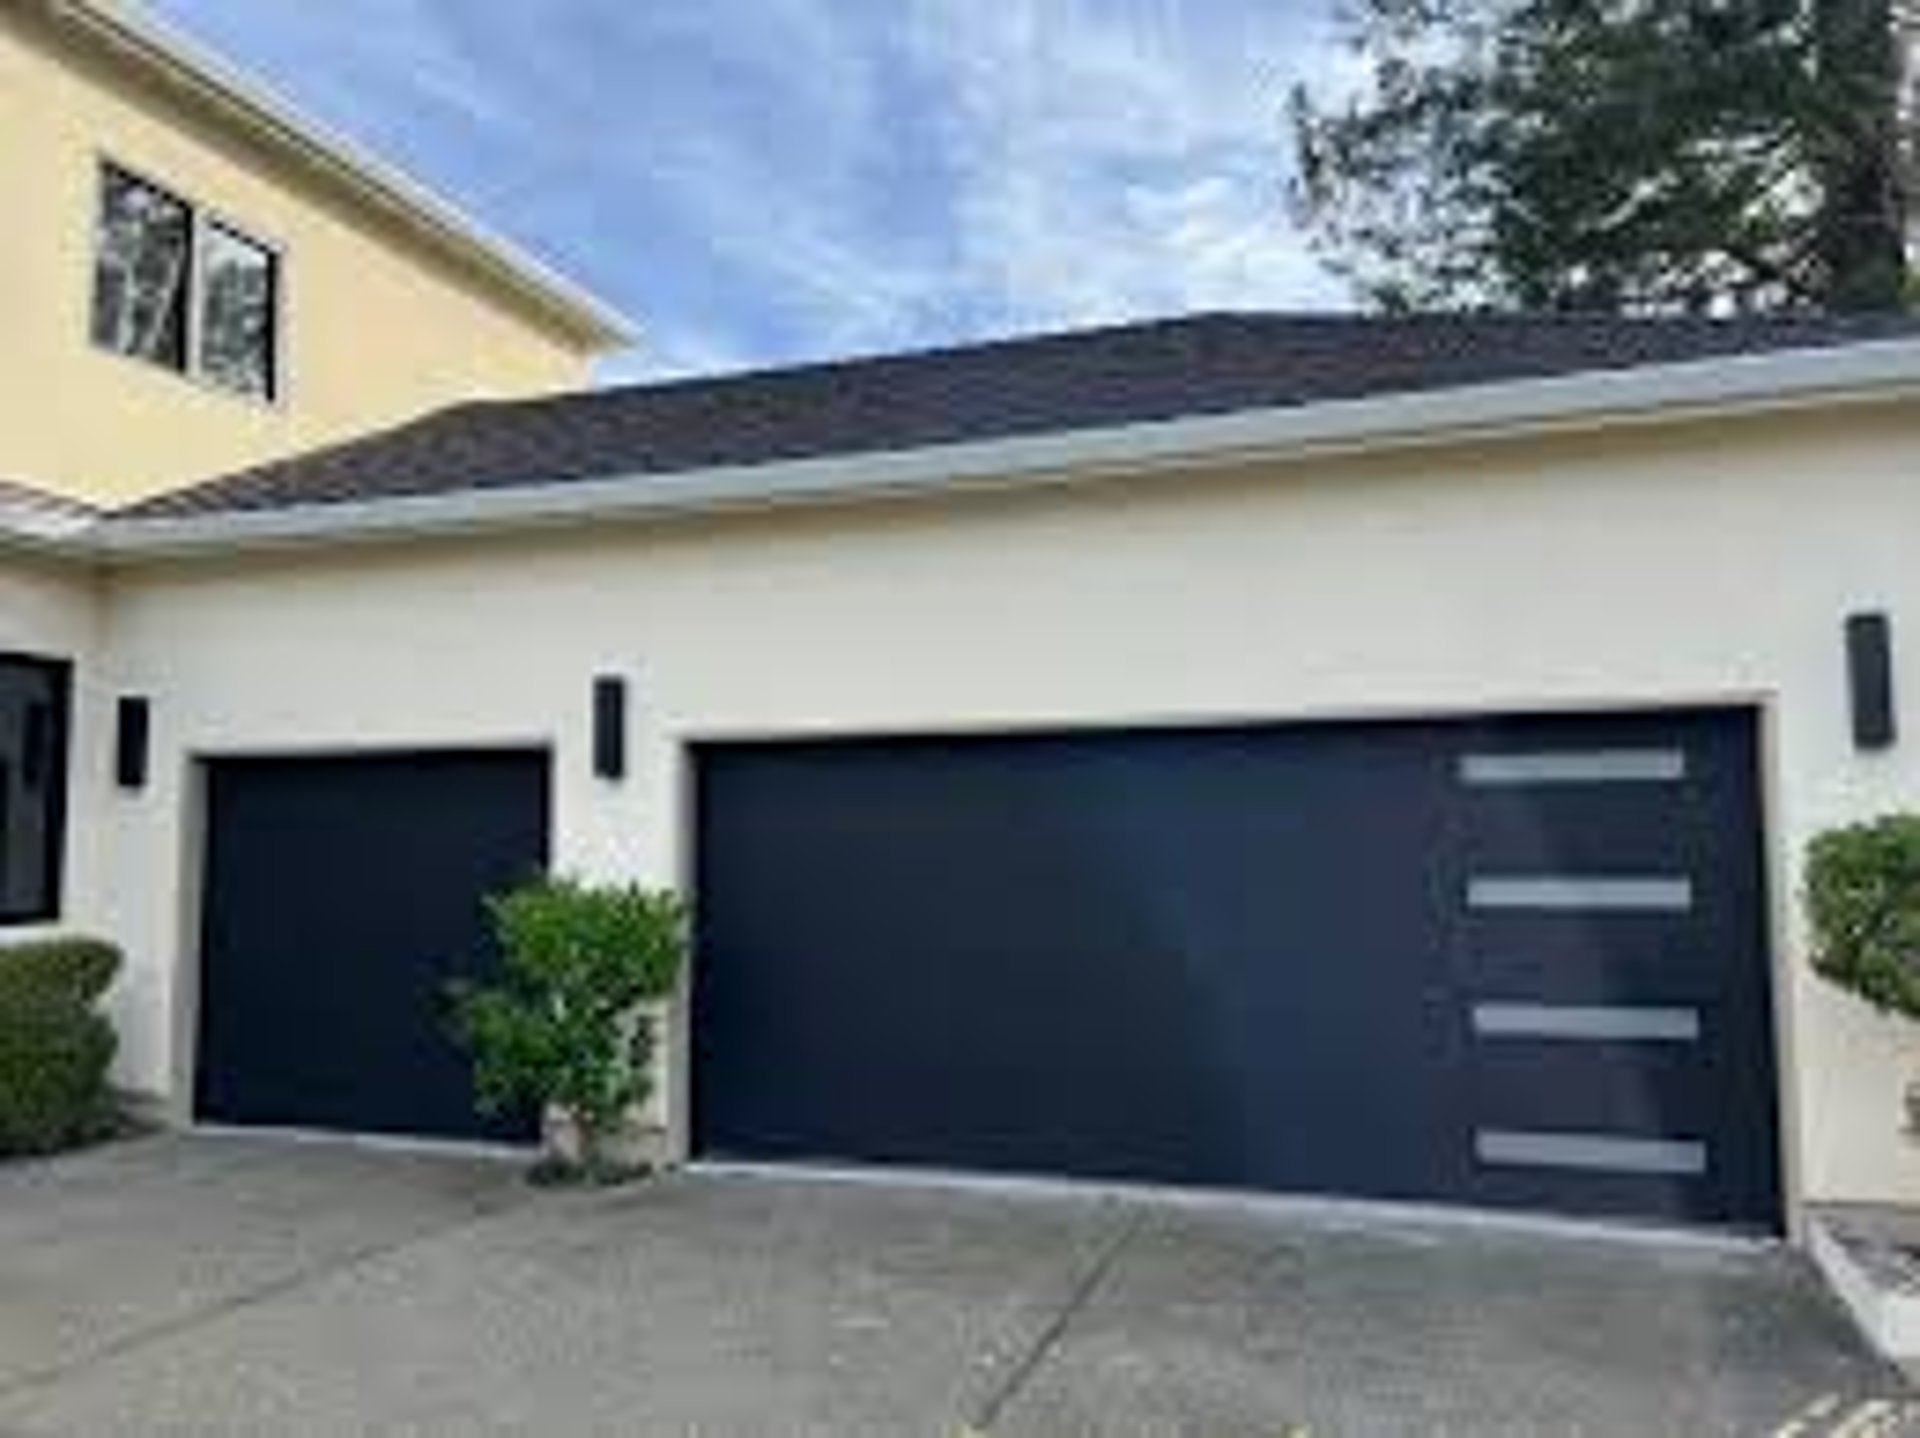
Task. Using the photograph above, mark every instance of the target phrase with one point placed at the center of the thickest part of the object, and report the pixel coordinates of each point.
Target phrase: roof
(31, 517)
(1157, 373)
(136, 39)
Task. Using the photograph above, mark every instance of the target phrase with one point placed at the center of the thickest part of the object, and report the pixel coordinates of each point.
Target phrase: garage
(1513, 962)
(341, 895)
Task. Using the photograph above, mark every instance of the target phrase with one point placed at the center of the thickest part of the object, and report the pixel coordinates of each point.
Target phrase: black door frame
(1761, 705)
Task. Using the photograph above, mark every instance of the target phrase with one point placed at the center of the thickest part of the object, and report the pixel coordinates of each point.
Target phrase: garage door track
(211, 1286)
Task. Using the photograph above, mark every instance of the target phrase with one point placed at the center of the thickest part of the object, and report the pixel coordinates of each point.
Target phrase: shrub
(79, 968)
(567, 1024)
(1863, 905)
(55, 1050)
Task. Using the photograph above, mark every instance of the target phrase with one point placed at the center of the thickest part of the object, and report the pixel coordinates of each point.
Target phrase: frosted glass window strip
(1600, 1023)
(1589, 1152)
(1592, 766)
(1574, 893)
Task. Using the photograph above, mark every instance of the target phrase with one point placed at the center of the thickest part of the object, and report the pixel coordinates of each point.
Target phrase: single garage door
(341, 896)
(1511, 962)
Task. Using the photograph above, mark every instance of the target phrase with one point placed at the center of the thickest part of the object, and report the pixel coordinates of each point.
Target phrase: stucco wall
(376, 331)
(1689, 565)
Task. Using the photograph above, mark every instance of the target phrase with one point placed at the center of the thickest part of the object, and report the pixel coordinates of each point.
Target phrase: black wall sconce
(132, 726)
(610, 727)
(1870, 680)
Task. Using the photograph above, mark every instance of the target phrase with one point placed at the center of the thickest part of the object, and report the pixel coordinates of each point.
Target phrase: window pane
(33, 782)
(237, 340)
(143, 270)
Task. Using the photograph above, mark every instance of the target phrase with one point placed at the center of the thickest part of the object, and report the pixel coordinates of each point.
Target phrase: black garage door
(341, 896)
(1515, 962)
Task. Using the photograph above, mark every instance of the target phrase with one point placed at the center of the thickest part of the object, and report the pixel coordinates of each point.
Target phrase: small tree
(567, 1027)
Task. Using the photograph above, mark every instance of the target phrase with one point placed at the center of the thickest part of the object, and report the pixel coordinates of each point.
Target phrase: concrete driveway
(214, 1286)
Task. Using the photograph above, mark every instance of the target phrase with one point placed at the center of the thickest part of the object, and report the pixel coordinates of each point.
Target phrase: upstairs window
(180, 289)
(142, 271)
(239, 305)
(33, 786)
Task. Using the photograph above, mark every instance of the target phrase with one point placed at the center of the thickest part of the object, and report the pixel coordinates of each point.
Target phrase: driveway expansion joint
(1048, 1339)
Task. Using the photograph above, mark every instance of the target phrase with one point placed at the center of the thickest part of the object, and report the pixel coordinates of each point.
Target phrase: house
(1340, 755)
(196, 279)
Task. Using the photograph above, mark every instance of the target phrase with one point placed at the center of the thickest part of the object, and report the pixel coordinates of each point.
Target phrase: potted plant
(570, 1025)
(1863, 907)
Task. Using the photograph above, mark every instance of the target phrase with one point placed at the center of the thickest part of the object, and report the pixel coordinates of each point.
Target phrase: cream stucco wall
(1704, 564)
(377, 329)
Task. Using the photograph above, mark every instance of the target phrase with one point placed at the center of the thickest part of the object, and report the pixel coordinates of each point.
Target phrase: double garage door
(1513, 963)
(1516, 962)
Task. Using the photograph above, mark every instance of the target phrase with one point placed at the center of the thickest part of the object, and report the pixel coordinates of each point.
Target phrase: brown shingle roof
(1207, 364)
(28, 496)
(27, 513)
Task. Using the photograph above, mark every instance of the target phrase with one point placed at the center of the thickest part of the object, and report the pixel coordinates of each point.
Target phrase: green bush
(55, 1050)
(80, 968)
(1863, 905)
(567, 1024)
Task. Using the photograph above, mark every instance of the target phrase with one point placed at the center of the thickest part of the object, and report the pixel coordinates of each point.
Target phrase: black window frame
(59, 762)
(207, 225)
(201, 219)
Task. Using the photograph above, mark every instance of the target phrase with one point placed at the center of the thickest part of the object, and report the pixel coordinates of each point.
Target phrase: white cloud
(673, 351)
(1123, 158)
(774, 179)
(1078, 162)
(1088, 162)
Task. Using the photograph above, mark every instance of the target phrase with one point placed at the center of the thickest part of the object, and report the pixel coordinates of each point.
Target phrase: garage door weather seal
(1319, 1210)
(395, 1143)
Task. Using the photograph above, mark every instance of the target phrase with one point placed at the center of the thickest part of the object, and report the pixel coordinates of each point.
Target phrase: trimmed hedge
(1863, 904)
(78, 968)
(55, 1049)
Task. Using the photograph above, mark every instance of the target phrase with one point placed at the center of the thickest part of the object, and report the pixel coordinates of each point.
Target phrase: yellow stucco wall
(378, 328)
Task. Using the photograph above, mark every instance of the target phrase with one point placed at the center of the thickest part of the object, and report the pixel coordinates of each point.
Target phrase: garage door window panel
(1574, 766)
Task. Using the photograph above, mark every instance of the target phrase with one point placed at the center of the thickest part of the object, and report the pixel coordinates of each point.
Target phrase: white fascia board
(61, 548)
(138, 32)
(1797, 379)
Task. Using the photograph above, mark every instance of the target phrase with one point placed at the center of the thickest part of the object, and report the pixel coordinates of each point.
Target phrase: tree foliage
(566, 1025)
(1613, 155)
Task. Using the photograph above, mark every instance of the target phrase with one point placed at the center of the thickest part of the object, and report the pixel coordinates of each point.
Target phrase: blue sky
(763, 181)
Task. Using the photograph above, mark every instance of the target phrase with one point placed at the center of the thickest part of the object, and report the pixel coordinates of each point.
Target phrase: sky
(770, 181)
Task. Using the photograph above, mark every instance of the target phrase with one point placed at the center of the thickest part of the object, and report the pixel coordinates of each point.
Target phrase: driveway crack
(995, 1405)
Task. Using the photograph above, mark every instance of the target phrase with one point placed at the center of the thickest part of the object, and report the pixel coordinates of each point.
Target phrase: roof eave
(591, 323)
(47, 528)
(1654, 394)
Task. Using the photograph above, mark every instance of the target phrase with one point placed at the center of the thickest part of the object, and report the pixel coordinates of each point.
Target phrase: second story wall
(376, 325)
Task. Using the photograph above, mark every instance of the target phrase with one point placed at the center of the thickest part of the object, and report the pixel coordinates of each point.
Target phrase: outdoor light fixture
(610, 726)
(1870, 680)
(132, 724)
